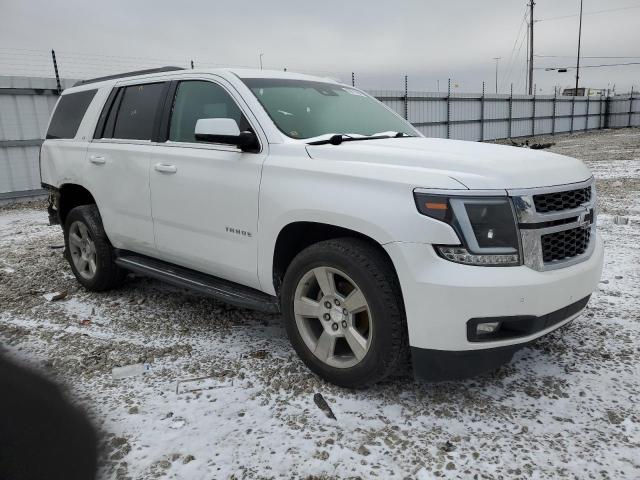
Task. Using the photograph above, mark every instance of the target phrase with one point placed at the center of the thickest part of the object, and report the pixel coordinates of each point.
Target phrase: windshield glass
(304, 109)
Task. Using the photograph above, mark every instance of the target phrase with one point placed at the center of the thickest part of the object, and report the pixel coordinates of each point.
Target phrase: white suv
(300, 195)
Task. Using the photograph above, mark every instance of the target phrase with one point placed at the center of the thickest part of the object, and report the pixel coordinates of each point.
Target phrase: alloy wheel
(333, 317)
(83, 250)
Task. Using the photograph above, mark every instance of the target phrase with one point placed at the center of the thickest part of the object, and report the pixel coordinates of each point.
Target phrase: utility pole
(526, 72)
(578, 59)
(497, 59)
(531, 45)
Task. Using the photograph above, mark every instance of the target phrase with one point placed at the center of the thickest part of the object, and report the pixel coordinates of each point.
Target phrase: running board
(224, 290)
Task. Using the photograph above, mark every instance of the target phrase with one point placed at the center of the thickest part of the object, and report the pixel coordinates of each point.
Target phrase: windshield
(304, 109)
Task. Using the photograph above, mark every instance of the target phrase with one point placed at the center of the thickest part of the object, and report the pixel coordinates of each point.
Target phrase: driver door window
(197, 99)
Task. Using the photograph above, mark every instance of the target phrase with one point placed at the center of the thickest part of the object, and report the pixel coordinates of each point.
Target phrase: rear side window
(69, 113)
(136, 115)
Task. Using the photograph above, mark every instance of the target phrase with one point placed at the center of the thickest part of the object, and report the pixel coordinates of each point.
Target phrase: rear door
(63, 153)
(204, 196)
(118, 164)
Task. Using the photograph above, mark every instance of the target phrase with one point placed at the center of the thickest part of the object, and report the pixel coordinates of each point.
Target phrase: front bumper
(441, 297)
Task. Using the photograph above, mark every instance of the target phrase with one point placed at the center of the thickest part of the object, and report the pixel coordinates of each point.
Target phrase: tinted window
(198, 99)
(111, 119)
(68, 114)
(137, 113)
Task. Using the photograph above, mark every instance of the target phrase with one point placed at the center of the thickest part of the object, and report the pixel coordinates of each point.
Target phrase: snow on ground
(565, 407)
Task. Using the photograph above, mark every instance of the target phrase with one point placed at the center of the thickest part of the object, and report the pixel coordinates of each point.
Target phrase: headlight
(486, 227)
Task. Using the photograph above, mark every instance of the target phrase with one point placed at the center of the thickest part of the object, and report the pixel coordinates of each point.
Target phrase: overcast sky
(379, 41)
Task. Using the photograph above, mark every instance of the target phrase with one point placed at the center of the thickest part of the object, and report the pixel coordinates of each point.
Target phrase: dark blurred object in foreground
(42, 436)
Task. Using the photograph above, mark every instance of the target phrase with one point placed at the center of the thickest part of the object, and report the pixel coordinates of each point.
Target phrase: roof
(256, 73)
(238, 72)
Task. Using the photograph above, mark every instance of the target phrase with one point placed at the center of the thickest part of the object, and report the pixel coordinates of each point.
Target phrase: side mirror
(225, 130)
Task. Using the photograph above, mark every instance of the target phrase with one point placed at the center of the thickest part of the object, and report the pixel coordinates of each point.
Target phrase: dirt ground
(565, 407)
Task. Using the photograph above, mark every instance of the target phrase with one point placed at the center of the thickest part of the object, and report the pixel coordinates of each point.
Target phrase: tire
(84, 237)
(357, 267)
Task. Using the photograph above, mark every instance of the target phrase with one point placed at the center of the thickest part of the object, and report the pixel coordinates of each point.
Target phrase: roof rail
(128, 74)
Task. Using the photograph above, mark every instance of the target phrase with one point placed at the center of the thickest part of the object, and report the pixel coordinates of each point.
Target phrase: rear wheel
(343, 311)
(89, 251)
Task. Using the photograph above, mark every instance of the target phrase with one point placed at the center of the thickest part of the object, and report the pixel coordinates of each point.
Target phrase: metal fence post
(573, 108)
(600, 112)
(510, 110)
(533, 118)
(406, 99)
(55, 68)
(607, 107)
(553, 115)
(586, 122)
(449, 109)
(630, 105)
(482, 114)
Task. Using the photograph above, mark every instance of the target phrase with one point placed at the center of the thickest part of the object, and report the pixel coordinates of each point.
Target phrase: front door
(204, 197)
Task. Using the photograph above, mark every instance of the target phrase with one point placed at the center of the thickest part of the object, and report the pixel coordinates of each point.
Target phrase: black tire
(373, 273)
(107, 274)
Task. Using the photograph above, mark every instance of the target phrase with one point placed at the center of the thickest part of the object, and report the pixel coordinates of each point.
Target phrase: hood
(476, 165)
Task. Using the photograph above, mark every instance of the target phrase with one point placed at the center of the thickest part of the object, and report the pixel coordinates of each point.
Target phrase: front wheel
(343, 310)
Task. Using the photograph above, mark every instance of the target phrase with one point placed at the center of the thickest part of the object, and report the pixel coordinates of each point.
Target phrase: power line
(597, 12)
(590, 66)
(511, 59)
(583, 56)
(80, 63)
(517, 56)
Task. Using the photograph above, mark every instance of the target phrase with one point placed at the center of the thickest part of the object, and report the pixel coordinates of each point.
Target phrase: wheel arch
(298, 235)
(71, 195)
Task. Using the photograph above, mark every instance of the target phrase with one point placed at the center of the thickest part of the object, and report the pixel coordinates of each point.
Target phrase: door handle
(165, 168)
(97, 159)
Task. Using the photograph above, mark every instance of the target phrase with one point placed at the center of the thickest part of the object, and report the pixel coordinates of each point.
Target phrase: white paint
(220, 210)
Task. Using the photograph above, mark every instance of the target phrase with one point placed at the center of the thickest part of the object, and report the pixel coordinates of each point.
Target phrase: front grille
(565, 244)
(556, 201)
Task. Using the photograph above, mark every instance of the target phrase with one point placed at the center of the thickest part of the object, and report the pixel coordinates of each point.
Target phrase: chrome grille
(565, 244)
(557, 201)
(557, 224)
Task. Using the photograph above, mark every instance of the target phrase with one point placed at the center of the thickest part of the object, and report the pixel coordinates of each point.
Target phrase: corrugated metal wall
(25, 106)
(27, 102)
(490, 117)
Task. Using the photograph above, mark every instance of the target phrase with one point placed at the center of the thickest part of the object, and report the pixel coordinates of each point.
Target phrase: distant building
(583, 92)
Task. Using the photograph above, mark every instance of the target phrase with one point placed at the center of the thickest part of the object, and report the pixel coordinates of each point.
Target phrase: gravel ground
(565, 407)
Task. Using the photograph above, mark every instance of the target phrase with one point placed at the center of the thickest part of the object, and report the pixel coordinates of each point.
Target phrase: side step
(228, 292)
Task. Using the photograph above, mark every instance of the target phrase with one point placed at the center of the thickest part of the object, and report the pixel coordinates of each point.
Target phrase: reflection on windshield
(304, 109)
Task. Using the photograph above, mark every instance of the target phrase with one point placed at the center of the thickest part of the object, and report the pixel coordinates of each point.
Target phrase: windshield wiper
(392, 134)
(339, 138)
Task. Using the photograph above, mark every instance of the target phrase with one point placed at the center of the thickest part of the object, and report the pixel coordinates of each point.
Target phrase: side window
(111, 119)
(197, 99)
(69, 113)
(136, 115)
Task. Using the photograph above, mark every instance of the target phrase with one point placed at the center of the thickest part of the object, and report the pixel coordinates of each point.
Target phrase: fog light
(486, 328)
